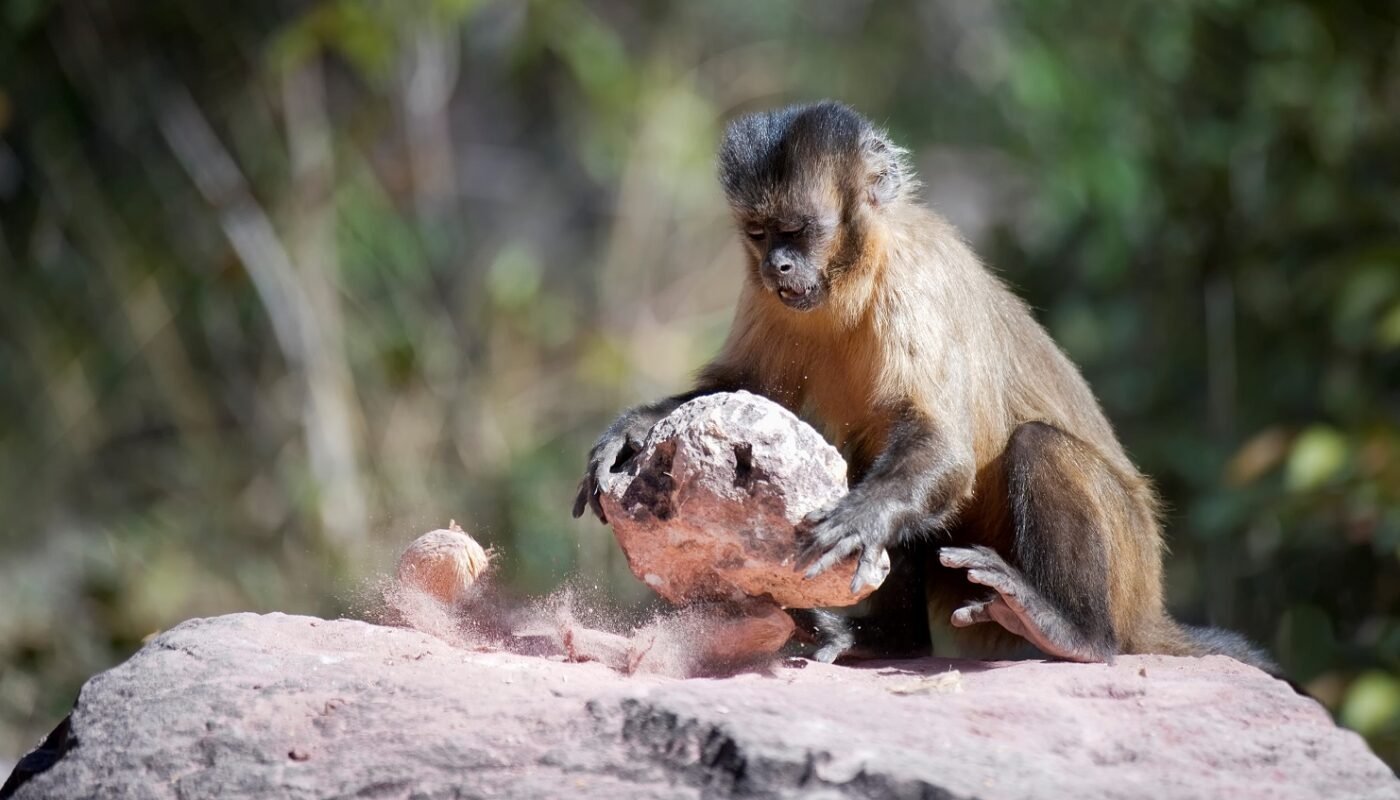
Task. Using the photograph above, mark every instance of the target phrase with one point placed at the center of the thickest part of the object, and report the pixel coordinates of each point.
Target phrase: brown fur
(921, 320)
(917, 319)
(937, 384)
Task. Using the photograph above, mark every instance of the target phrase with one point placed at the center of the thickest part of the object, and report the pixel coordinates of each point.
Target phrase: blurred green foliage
(283, 284)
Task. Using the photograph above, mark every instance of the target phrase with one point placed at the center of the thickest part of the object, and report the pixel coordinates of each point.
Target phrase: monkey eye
(754, 233)
(793, 228)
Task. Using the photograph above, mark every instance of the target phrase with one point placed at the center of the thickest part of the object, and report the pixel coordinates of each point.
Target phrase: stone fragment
(444, 563)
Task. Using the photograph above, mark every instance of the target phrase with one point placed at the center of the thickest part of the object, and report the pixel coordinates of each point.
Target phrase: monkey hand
(618, 444)
(856, 525)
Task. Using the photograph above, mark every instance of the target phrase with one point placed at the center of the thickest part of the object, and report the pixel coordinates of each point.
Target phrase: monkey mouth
(802, 298)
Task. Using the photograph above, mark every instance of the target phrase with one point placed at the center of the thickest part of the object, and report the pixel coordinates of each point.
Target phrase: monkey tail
(1175, 639)
(1218, 641)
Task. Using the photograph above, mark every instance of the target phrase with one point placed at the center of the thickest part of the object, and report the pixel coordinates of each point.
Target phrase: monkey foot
(1017, 606)
(830, 632)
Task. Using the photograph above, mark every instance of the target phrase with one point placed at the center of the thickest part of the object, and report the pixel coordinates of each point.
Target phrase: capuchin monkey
(978, 455)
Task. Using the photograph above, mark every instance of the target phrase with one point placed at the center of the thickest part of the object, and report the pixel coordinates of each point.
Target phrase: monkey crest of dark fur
(978, 455)
(764, 157)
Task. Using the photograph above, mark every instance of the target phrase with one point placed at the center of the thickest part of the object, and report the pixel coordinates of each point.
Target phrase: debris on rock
(942, 683)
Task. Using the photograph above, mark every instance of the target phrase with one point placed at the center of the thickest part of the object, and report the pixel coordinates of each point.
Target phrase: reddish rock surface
(249, 706)
(708, 509)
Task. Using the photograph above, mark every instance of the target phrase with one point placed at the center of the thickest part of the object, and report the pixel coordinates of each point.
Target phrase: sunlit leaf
(1318, 454)
(1372, 702)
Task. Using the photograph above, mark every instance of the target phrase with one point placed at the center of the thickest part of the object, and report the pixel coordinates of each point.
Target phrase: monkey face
(783, 252)
(805, 183)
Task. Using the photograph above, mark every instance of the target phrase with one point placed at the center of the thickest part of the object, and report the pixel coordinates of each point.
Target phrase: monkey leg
(1018, 607)
(829, 634)
(1055, 589)
(895, 622)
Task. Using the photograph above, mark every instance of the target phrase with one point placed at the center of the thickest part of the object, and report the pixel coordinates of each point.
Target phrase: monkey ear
(887, 173)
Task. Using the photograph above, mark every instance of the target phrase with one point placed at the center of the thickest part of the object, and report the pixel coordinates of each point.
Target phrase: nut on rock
(708, 509)
(444, 563)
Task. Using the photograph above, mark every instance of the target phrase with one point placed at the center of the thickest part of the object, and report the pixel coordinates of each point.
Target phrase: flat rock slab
(248, 706)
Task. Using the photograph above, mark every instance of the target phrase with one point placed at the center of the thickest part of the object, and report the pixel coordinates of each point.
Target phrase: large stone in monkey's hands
(708, 509)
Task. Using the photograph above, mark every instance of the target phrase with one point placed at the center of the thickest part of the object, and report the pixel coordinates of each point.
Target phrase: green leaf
(1318, 454)
(1388, 329)
(514, 277)
(1372, 702)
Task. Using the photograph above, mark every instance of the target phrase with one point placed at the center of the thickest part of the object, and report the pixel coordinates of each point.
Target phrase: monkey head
(808, 185)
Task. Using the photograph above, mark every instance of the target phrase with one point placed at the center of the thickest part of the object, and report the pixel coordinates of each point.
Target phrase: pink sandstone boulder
(277, 706)
(709, 508)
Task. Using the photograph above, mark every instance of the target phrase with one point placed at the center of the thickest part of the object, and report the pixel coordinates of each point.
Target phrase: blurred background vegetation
(283, 284)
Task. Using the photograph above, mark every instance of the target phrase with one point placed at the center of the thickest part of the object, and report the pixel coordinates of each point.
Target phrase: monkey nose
(784, 267)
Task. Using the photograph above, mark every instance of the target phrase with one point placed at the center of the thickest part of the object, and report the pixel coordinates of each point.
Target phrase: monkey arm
(917, 484)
